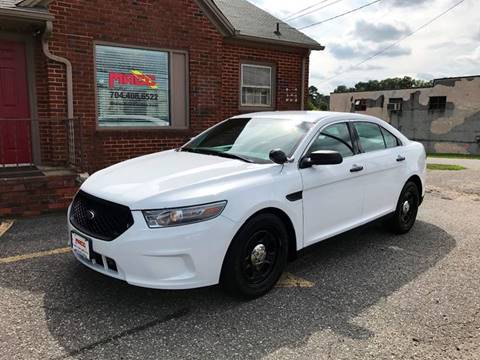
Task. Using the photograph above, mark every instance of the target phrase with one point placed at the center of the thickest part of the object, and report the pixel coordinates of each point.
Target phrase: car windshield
(251, 139)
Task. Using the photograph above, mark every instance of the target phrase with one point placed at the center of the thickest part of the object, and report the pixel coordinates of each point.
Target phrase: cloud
(341, 51)
(458, 44)
(472, 58)
(370, 67)
(379, 32)
(363, 68)
(445, 48)
(477, 35)
(405, 3)
(303, 21)
(425, 76)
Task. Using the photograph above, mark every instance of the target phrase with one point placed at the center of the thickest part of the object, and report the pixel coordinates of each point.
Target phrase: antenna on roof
(277, 32)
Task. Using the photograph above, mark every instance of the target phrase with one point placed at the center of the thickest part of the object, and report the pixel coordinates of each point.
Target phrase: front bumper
(182, 257)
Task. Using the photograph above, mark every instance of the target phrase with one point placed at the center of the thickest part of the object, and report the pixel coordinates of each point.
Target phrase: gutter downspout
(304, 71)
(68, 66)
(69, 83)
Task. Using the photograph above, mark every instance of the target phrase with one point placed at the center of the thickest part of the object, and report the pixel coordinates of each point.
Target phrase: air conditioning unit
(394, 107)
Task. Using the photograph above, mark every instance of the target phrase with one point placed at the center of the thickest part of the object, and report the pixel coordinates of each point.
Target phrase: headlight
(183, 216)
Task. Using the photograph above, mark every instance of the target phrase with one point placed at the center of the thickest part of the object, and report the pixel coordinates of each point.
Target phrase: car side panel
(269, 191)
(385, 179)
(333, 199)
(416, 163)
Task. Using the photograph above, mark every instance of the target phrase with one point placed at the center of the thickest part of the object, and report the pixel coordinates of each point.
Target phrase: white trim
(243, 85)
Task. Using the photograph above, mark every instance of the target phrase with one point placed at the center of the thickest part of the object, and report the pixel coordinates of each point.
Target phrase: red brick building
(85, 84)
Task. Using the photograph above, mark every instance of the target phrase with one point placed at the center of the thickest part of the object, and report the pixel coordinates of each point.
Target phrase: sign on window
(132, 87)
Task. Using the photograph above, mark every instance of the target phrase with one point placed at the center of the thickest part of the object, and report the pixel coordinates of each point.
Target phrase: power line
(327, 30)
(307, 8)
(340, 15)
(398, 41)
(314, 10)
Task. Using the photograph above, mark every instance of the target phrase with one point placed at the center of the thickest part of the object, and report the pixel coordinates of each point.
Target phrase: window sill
(256, 108)
(155, 130)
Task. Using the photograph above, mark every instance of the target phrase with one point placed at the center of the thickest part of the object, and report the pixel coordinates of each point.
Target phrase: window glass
(251, 138)
(132, 87)
(390, 140)
(256, 84)
(361, 105)
(437, 103)
(335, 137)
(395, 104)
(371, 138)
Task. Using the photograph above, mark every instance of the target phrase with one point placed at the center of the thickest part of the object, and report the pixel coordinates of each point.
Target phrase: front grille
(108, 264)
(99, 218)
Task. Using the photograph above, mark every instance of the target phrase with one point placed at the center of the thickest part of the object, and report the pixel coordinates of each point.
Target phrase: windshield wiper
(216, 153)
(232, 156)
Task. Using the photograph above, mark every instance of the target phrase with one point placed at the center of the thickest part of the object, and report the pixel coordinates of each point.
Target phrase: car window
(251, 138)
(335, 137)
(370, 136)
(390, 140)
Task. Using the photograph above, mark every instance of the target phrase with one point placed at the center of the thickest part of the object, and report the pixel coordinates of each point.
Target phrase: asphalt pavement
(370, 295)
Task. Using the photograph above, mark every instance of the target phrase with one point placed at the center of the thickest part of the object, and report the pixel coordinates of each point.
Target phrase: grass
(445, 167)
(454, 156)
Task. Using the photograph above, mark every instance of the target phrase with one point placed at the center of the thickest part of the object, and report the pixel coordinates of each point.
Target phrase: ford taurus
(235, 203)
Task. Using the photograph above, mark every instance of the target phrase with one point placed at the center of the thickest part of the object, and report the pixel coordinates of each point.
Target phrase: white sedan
(238, 201)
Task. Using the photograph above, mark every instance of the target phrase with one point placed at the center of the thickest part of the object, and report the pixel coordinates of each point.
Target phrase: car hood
(170, 179)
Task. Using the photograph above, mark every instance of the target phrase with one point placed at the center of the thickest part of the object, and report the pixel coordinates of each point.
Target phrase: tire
(406, 212)
(256, 257)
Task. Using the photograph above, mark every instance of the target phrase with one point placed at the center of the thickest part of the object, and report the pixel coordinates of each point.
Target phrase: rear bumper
(182, 257)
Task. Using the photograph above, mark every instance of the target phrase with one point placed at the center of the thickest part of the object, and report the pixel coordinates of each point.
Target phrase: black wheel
(407, 209)
(256, 258)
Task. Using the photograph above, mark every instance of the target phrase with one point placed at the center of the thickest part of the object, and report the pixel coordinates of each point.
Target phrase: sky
(448, 47)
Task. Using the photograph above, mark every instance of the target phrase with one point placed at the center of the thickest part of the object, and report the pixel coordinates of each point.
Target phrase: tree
(387, 84)
(343, 89)
(317, 101)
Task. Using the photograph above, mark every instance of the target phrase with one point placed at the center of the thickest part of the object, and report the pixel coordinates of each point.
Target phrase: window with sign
(133, 87)
(256, 85)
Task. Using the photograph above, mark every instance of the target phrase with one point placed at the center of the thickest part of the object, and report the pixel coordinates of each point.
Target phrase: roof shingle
(8, 3)
(249, 20)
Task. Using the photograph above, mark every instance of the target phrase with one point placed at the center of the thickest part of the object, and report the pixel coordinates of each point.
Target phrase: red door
(15, 133)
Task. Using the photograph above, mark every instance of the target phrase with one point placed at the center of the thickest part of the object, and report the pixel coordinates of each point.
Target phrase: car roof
(308, 116)
(320, 118)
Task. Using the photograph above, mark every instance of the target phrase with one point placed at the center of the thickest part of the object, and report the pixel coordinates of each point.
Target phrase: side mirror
(278, 156)
(322, 157)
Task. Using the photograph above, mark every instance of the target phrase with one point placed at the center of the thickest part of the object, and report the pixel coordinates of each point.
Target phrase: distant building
(444, 117)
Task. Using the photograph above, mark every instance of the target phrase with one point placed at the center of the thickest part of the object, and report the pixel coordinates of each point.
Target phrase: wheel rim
(260, 256)
(408, 207)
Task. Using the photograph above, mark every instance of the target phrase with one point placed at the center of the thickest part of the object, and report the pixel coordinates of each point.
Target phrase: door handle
(356, 168)
(401, 158)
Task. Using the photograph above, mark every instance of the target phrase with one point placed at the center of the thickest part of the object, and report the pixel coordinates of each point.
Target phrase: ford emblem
(91, 215)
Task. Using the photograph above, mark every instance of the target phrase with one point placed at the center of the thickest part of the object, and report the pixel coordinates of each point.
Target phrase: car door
(332, 194)
(383, 158)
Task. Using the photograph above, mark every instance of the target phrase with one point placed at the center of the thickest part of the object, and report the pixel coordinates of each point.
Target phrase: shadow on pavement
(94, 316)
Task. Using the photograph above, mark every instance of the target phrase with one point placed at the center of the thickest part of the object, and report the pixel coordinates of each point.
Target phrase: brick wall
(214, 73)
(288, 65)
(45, 194)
